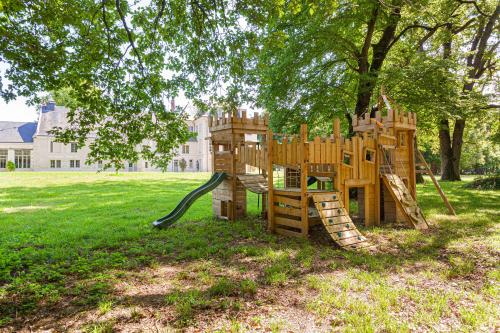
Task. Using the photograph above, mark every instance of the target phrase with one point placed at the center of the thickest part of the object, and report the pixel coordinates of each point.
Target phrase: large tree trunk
(446, 151)
(368, 73)
(477, 61)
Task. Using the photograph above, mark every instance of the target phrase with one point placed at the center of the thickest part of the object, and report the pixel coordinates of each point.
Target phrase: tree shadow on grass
(78, 263)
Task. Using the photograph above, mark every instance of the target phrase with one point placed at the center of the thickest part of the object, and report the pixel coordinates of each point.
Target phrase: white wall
(11, 147)
(199, 150)
(42, 155)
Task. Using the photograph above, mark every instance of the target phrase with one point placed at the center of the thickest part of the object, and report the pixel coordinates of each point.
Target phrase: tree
(117, 62)
(446, 80)
(182, 164)
(11, 166)
(479, 59)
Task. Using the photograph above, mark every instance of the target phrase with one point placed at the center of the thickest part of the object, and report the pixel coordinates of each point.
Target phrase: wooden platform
(337, 222)
(254, 183)
(405, 201)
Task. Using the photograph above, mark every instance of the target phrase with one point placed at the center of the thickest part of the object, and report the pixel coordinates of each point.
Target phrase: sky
(17, 110)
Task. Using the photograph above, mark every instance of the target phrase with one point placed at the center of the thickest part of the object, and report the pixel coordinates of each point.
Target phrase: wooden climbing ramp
(337, 221)
(254, 183)
(405, 201)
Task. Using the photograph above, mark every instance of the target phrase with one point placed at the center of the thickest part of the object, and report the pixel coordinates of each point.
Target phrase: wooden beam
(436, 184)
(304, 146)
(270, 185)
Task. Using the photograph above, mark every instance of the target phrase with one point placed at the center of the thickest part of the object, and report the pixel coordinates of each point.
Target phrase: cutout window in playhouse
(347, 159)
(370, 155)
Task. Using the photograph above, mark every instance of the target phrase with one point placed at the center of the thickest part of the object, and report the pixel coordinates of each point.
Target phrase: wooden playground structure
(378, 163)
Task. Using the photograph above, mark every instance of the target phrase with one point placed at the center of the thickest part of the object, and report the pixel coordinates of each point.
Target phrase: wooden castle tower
(319, 173)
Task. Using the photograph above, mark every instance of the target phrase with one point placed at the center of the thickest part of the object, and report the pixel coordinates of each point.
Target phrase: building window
(145, 165)
(74, 148)
(3, 158)
(22, 158)
(99, 165)
(190, 164)
(74, 164)
(51, 146)
(55, 164)
(185, 149)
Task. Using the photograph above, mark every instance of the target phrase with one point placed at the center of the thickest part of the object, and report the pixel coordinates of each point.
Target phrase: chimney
(51, 105)
(172, 105)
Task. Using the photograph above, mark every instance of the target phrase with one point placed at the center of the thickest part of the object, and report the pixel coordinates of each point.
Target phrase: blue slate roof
(11, 131)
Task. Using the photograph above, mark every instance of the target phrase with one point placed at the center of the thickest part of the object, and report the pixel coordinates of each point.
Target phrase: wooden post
(270, 183)
(377, 174)
(412, 177)
(338, 160)
(436, 184)
(304, 156)
(336, 128)
(233, 175)
(367, 202)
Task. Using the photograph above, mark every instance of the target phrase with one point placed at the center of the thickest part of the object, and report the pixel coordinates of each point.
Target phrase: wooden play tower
(319, 174)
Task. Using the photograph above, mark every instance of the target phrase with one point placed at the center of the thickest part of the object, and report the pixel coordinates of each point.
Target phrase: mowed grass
(77, 252)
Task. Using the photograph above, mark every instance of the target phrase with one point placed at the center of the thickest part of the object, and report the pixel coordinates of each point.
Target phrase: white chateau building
(32, 148)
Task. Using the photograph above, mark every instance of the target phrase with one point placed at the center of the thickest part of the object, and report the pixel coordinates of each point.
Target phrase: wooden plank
(317, 150)
(340, 227)
(287, 201)
(291, 191)
(288, 222)
(330, 196)
(288, 211)
(326, 205)
(340, 235)
(336, 219)
(351, 241)
(286, 232)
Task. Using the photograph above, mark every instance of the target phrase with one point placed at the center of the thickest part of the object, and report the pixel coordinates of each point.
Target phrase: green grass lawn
(77, 252)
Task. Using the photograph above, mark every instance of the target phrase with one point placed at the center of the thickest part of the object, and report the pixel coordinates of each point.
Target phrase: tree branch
(129, 34)
(475, 5)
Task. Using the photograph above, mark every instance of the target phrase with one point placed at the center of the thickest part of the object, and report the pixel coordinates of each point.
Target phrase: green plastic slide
(183, 206)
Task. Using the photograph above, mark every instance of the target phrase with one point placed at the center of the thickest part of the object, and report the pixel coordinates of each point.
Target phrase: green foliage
(485, 183)
(182, 164)
(11, 166)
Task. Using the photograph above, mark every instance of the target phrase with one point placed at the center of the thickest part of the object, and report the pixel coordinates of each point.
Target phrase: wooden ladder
(337, 222)
(405, 201)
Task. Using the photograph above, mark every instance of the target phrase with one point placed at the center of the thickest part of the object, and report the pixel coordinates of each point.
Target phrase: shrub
(183, 164)
(11, 166)
(485, 183)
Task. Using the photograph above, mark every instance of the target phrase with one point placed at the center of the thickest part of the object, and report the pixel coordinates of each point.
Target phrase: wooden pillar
(270, 184)
(233, 175)
(304, 156)
(346, 199)
(412, 176)
(367, 202)
(377, 201)
(336, 134)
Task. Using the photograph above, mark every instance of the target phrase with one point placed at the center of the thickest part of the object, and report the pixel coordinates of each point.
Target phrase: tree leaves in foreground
(302, 61)
(118, 62)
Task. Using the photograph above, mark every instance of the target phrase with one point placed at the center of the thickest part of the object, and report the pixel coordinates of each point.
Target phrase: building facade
(32, 148)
